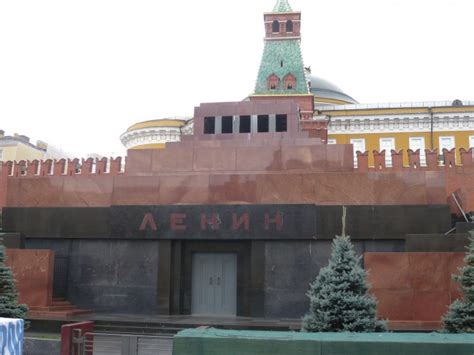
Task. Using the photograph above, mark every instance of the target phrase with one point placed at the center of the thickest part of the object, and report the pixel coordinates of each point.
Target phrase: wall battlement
(63, 167)
(261, 171)
(432, 160)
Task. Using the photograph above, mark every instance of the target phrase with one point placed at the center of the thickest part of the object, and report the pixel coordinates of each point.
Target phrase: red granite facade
(214, 171)
(33, 271)
(3, 185)
(413, 289)
(279, 172)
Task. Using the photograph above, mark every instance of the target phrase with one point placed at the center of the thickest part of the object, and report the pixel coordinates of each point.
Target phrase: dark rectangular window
(227, 124)
(245, 124)
(209, 125)
(281, 123)
(263, 123)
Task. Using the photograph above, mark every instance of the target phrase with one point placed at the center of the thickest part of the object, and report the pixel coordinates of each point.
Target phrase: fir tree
(339, 298)
(9, 308)
(460, 316)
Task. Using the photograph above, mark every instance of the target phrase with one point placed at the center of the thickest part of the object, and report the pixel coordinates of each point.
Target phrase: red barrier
(71, 331)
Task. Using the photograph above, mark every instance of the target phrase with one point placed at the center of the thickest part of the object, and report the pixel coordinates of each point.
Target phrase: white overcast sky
(77, 73)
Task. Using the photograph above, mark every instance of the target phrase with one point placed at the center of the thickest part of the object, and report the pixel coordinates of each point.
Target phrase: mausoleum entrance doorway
(214, 284)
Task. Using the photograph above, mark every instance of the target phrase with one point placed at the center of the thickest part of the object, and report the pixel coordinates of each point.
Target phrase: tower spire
(281, 69)
(282, 6)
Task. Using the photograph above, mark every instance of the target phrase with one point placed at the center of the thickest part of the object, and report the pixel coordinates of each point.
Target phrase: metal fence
(124, 344)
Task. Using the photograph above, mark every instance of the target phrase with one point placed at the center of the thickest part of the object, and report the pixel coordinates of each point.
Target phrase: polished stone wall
(109, 276)
(227, 222)
(264, 169)
(135, 277)
(334, 188)
(33, 270)
(291, 266)
(113, 266)
(414, 287)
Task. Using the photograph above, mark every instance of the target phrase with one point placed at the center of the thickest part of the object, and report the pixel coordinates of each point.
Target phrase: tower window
(289, 81)
(263, 123)
(275, 26)
(244, 124)
(281, 123)
(273, 82)
(227, 125)
(209, 125)
(289, 26)
(281, 63)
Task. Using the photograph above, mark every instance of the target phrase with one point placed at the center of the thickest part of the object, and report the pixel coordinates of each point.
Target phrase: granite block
(455, 263)
(394, 304)
(139, 161)
(421, 289)
(301, 157)
(173, 159)
(136, 190)
(178, 189)
(429, 271)
(87, 191)
(32, 192)
(266, 158)
(430, 305)
(339, 157)
(405, 188)
(344, 188)
(435, 182)
(208, 159)
(33, 271)
(234, 189)
(111, 275)
(381, 268)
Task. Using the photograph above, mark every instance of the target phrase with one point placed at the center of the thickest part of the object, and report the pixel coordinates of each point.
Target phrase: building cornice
(152, 135)
(399, 124)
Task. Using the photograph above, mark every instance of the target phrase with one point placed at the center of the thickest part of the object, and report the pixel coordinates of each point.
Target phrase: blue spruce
(460, 316)
(339, 297)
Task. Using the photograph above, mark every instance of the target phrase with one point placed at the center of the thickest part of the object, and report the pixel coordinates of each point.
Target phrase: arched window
(290, 81)
(273, 82)
(275, 26)
(289, 26)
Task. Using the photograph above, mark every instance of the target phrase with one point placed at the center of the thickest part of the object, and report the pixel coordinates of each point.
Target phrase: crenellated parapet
(63, 167)
(428, 160)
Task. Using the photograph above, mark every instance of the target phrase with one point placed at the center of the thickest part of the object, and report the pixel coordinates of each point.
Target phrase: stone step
(53, 308)
(150, 329)
(58, 314)
(61, 303)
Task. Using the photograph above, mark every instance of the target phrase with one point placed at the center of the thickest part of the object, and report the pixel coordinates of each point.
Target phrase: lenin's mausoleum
(237, 218)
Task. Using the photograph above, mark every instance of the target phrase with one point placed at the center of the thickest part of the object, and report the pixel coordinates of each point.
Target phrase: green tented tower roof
(282, 6)
(282, 57)
(281, 69)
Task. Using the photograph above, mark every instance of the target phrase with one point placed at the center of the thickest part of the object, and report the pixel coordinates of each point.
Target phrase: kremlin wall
(233, 212)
